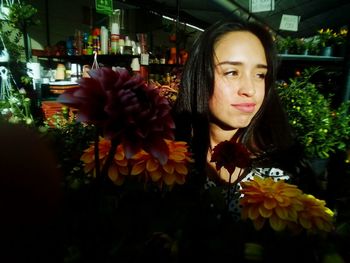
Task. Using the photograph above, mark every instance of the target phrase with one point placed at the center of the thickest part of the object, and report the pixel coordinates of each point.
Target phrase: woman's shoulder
(274, 172)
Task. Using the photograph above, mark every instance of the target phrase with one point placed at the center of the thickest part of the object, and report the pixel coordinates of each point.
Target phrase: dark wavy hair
(268, 130)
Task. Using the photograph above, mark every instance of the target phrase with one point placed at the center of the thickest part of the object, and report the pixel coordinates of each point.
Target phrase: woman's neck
(217, 135)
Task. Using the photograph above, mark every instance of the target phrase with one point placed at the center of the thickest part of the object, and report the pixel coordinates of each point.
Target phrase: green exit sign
(104, 6)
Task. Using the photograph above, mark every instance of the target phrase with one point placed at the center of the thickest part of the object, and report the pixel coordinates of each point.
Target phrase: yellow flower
(265, 199)
(176, 167)
(343, 32)
(315, 215)
(88, 156)
(173, 172)
(118, 168)
(142, 164)
(284, 205)
(327, 37)
(146, 166)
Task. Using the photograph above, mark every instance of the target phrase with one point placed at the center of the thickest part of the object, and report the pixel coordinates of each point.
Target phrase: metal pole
(346, 71)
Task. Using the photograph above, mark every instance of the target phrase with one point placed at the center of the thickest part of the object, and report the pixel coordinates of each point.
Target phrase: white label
(144, 59)
(289, 22)
(256, 6)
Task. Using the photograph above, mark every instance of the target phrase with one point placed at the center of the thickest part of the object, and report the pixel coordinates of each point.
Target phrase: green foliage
(290, 45)
(16, 107)
(284, 44)
(318, 127)
(11, 39)
(298, 45)
(69, 139)
(328, 37)
(312, 46)
(22, 16)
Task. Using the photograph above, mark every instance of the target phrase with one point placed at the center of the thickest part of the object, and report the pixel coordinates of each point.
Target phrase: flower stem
(229, 192)
(112, 151)
(96, 152)
(233, 186)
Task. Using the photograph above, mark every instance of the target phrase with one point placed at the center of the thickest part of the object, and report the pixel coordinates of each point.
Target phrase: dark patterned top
(233, 205)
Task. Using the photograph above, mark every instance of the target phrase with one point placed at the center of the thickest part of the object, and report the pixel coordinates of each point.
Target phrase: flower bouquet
(141, 202)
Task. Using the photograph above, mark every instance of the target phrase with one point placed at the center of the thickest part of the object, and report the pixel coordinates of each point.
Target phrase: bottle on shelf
(173, 56)
(115, 37)
(89, 49)
(104, 40)
(127, 46)
(85, 40)
(96, 43)
(78, 43)
(60, 72)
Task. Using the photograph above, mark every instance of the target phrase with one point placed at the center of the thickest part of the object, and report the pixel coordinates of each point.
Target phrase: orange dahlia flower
(173, 172)
(315, 215)
(265, 199)
(118, 168)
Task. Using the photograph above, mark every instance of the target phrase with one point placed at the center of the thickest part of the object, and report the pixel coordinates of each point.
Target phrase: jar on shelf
(60, 72)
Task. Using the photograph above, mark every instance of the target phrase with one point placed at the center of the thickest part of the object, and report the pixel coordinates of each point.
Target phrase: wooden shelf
(108, 60)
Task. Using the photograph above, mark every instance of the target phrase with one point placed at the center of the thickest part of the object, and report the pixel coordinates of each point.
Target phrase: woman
(228, 93)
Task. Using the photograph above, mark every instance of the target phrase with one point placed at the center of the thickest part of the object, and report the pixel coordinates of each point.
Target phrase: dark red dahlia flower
(126, 109)
(230, 154)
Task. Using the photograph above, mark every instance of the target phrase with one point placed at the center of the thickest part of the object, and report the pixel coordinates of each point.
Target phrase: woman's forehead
(239, 47)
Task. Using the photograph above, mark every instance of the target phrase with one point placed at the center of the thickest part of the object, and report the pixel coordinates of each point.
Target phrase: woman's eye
(261, 75)
(231, 73)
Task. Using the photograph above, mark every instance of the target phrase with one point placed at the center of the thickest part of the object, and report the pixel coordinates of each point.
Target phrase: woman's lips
(245, 107)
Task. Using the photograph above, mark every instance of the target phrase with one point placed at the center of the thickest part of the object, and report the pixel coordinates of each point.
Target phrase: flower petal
(169, 168)
(155, 175)
(152, 165)
(253, 212)
(270, 203)
(259, 223)
(138, 168)
(276, 223)
(266, 213)
(281, 212)
(181, 168)
(169, 179)
(113, 172)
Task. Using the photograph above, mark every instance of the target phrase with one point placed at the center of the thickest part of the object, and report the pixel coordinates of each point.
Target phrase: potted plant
(327, 40)
(290, 45)
(311, 46)
(284, 45)
(319, 128)
(340, 47)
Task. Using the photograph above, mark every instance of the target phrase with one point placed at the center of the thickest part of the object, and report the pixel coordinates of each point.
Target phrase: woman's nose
(246, 87)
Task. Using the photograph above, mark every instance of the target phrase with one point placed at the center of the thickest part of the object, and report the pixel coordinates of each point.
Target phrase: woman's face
(239, 89)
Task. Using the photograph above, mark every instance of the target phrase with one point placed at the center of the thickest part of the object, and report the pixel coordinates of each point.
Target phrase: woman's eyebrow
(237, 63)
